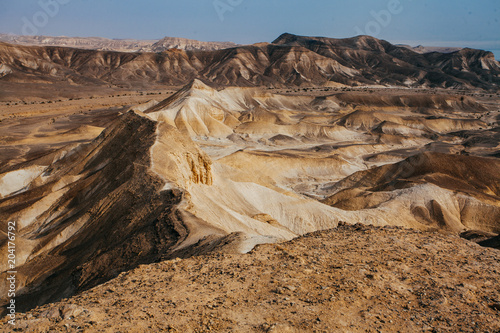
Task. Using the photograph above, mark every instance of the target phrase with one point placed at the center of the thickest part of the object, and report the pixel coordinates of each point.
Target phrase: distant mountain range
(154, 45)
(119, 45)
(290, 60)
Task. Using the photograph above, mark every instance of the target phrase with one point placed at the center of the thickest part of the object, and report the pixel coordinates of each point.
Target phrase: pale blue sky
(446, 22)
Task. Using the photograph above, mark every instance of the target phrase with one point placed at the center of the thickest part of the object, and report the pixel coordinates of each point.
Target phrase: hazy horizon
(446, 23)
(496, 52)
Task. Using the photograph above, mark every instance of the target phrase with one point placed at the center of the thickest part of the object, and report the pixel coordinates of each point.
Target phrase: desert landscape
(310, 184)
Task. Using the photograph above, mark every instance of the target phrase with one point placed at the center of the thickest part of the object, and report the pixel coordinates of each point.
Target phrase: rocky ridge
(289, 61)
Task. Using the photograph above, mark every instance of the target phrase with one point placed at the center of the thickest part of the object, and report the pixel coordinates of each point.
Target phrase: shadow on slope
(99, 210)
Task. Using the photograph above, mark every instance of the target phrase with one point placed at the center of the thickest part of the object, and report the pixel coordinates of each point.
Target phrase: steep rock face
(101, 209)
(177, 160)
(140, 192)
(289, 60)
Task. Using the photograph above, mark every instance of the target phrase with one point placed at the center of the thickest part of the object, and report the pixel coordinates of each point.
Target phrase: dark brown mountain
(289, 60)
(380, 61)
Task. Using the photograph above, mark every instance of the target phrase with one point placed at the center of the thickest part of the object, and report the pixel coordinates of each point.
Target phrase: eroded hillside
(289, 61)
(224, 170)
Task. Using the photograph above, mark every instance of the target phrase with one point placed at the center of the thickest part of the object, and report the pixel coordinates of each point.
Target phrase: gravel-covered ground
(350, 279)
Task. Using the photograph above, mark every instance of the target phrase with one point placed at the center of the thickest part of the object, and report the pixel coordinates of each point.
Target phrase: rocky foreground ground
(350, 279)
